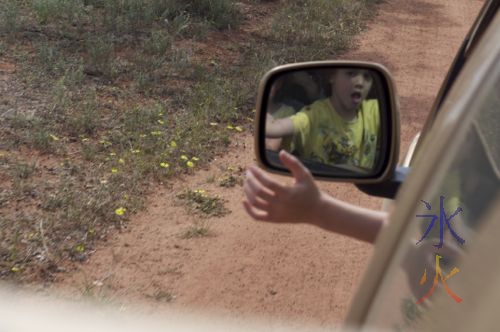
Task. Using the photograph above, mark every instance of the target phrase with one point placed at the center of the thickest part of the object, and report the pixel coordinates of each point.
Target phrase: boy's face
(350, 87)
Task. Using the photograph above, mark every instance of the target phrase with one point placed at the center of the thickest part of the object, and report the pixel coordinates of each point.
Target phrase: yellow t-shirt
(322, 135)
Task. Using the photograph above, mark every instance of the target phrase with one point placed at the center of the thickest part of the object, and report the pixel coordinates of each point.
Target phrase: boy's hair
(290, 93)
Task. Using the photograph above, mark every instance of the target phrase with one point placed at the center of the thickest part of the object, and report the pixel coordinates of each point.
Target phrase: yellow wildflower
(173, 144)
(85, 139)
(112, 154)
(120, 211)
(121, 161)
(213, 123)
(54, 137)
(230, 127)
(80, 248)
(114, 170)
(104, 142)
(15, 269)
(136, 151)
(238, 128)
(164, 165)
(184, 157)
(161, 122)
(190, 164)
(195, 158)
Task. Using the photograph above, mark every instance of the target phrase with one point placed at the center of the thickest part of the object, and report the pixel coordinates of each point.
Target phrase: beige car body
(478, 282)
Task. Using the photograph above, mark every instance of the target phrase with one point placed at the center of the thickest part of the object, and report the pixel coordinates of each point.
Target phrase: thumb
(299, 171)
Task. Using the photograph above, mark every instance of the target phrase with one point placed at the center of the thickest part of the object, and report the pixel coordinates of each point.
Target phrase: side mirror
(340, 118)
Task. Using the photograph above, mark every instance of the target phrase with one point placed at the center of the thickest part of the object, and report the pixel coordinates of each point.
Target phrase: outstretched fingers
(254, 196)
(256, 214)
(299, 172)
(265, 180)
(260, 191)
(254, 188)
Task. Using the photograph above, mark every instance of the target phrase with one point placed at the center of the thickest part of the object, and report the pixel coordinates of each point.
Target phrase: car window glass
(460, 203)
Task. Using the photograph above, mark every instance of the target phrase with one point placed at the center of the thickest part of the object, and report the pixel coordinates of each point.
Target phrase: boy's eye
(367, 77)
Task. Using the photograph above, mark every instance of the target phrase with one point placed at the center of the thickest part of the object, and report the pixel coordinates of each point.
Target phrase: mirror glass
(331, 118)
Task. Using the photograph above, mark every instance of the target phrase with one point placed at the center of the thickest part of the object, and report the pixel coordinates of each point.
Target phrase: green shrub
(101, 56)
(220, 13)
(85, 121)
(158, 43)
(317, 29)
(51, 11)
(10, 17)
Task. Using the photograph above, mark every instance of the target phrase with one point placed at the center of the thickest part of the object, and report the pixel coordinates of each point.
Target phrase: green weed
(150, 73)
(317, 29)
(11, 20)
(197, 230)
(86, 120)
(220, 13)
(219, 99)
(163, 296)
(229, 181)
(67, 11)
(48, 57)
(198, 200)
(101, 55)
(41, 138)
(158, 43)
(74, 74)
(23, 171)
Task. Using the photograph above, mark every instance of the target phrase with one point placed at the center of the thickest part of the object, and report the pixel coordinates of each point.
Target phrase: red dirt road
(288, 272)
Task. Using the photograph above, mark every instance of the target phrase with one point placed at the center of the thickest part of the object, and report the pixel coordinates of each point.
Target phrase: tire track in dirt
(281, 271)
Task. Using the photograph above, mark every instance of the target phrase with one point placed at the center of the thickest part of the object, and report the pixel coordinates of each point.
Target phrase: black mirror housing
(340, 118)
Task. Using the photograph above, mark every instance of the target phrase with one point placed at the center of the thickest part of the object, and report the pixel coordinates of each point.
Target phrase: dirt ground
(287, 272)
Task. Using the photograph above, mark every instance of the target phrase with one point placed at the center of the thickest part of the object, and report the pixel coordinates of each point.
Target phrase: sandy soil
(282, 271)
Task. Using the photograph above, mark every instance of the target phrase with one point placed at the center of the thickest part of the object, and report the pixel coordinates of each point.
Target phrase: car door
(429, 278)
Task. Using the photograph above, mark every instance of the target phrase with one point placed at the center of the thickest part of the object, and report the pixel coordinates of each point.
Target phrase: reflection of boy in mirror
(340, 129)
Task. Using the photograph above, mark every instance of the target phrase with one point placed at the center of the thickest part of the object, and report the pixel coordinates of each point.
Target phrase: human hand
(269, 200)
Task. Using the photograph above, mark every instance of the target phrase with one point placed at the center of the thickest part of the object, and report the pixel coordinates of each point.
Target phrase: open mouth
(356, 97)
